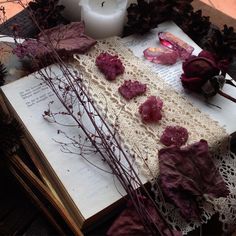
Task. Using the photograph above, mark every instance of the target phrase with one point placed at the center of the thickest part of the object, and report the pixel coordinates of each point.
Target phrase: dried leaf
(69, 38)
(186, 174)
(129, 223)
(66, 40)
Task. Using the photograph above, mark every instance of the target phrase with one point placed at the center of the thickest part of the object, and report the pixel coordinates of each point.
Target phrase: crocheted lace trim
(143, 140)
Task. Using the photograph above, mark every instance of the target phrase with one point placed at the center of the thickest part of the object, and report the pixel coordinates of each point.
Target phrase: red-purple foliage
(150, 110)
(130, 89)
(110, 66)
(64, 39)
(129, 223)
(186, 174)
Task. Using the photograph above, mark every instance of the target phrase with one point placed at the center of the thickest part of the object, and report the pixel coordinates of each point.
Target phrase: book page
(90, 188)
(225, 115)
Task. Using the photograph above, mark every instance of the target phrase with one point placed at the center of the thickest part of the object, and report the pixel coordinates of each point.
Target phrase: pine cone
(145, 16)
(196, 26)
(48, 13)
(223, 43)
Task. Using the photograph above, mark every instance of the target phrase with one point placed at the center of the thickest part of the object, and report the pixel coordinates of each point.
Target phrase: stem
(227, 96)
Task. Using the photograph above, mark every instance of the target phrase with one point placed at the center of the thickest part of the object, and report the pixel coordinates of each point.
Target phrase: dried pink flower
(150, 110)
(174, 135)
(130, 89)
(111, 66)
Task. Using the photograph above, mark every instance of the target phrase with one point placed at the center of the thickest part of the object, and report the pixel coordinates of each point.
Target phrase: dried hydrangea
(150, 110)
(111, 66)
(130, 89)
(174, 135)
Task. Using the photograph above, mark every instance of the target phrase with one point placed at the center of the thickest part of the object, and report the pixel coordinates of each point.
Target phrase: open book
(86, 192)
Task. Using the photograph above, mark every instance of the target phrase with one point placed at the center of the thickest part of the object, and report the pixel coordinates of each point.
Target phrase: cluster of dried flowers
(187, 174)
(111, 66)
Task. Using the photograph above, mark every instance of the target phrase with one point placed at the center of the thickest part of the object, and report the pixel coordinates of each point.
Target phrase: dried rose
(150, 110)
(187, 174)
(130, 89)
(174, 135)
(205, 74)
(197, 70)
(111, 66)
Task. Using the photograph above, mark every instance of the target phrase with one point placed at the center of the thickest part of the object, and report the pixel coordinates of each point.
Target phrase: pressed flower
(130, 89)
(150, 110)
(111, 66)
(174, 135)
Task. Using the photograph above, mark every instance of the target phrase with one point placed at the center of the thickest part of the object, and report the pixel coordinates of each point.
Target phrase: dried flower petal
(130, 89)
(109, 65)
(150, 110)
(187, 174)
(174, 135)
(162, 56)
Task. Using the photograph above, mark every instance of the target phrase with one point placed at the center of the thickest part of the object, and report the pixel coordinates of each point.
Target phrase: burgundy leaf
(69, 38)
(186, 174)
(64, 39)
(129, 223)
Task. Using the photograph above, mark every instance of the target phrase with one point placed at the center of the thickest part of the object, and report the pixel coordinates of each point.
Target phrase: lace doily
(143, 140)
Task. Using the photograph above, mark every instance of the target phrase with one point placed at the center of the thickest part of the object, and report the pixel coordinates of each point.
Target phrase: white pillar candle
(103, 18)
(72, 9)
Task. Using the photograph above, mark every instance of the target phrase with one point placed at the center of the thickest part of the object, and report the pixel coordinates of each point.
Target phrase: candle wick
(103, 3)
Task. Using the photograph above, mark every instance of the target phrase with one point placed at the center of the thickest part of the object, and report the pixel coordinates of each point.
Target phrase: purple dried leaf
(65, 39)
(129, 223)
(186, 174)
(69, 38)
